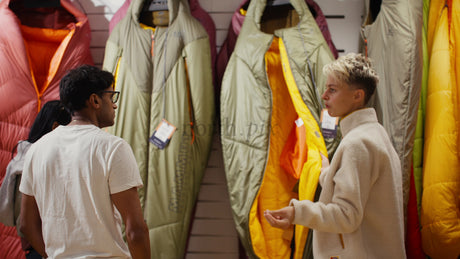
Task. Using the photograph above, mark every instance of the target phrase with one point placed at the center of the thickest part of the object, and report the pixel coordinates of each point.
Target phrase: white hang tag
(329, 124)
(162, 134)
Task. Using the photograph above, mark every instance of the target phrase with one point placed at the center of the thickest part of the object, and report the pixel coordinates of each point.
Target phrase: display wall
(343, 17)
(213, 234)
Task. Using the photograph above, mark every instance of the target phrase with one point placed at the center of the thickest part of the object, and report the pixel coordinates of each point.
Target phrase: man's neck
(81, 119)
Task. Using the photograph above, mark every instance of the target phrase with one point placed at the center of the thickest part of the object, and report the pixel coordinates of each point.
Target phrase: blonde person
(359, 213)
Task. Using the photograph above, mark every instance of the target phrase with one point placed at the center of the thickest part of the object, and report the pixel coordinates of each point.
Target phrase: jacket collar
(356, 118)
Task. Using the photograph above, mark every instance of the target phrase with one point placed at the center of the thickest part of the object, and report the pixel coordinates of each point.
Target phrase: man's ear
(93, 101)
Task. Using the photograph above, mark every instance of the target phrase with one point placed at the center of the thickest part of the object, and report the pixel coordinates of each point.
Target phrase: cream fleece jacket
(360, 210)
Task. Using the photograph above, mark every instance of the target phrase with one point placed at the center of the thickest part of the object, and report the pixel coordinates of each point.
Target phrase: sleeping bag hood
(234, 30)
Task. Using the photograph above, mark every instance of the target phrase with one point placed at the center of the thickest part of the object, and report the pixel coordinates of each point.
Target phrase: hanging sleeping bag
(394, 43)
(270, 110)
(413, 236)
(440, 214)
(419, 131)
(38, 46)
(164, 76)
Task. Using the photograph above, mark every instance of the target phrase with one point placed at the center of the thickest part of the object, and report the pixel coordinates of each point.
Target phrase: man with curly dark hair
(80, 183)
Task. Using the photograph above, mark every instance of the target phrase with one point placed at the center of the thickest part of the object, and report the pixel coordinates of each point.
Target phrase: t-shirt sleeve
(123, 170)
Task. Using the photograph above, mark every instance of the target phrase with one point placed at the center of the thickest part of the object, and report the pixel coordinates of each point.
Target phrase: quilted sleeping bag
(394, 43)
(196, 10)
(238, 16)
(440, 214)
(270, 110)
(37, 49)
(164, 73)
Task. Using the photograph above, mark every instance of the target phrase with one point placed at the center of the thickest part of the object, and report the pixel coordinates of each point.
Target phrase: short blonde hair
(354, 69)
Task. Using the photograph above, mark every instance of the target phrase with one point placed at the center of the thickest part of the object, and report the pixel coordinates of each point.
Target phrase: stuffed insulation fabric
(413, 235)
(419, 132)
(164, 73)
(270, 112)
(196, 10)
(235, 27)
(37, 49)
(394, 43)
(440, 214)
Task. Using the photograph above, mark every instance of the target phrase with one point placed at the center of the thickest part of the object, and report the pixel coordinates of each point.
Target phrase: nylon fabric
(276, 188)
(234, 30)
(175, 83)
(413, 235)
(196, 10)
(42, 50)
(27, 82)
(294, 154)
(455, 57)
(394, 42)
(434, 14)
(313, 138)
(419, 131)
(252, 126)
(440, 208)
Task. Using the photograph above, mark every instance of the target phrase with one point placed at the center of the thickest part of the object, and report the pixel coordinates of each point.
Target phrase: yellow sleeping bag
(440, 215)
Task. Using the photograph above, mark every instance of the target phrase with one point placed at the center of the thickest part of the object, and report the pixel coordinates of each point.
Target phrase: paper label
(329, 124)
(162, 134)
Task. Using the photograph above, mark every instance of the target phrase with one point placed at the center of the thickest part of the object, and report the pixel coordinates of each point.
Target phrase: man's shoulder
(110, 142)
(83, 134)
(106, 136)
(92, 132)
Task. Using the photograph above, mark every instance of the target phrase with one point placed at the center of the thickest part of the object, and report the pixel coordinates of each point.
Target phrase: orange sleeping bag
(37, 50)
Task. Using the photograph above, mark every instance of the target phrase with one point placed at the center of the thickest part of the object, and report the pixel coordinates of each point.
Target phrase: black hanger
(158, 5)
(277, 2)
(42, 3)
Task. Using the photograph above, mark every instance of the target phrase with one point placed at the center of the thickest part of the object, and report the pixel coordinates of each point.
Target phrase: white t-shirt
(71, 173)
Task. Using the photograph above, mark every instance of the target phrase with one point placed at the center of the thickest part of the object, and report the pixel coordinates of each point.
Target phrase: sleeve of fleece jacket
(349, 185)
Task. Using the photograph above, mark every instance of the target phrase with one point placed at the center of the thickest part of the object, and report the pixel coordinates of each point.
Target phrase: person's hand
(324, 161)
(281, 218)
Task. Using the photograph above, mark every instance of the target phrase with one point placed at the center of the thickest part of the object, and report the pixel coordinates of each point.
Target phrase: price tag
(162, 134)
(329, 124)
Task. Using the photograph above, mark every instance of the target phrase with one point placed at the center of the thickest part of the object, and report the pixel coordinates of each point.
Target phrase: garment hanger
(277, 2)
(155, 13)
(158, 5)
(42, 3)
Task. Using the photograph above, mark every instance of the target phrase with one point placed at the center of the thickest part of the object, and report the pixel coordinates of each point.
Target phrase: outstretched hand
(281, 218)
